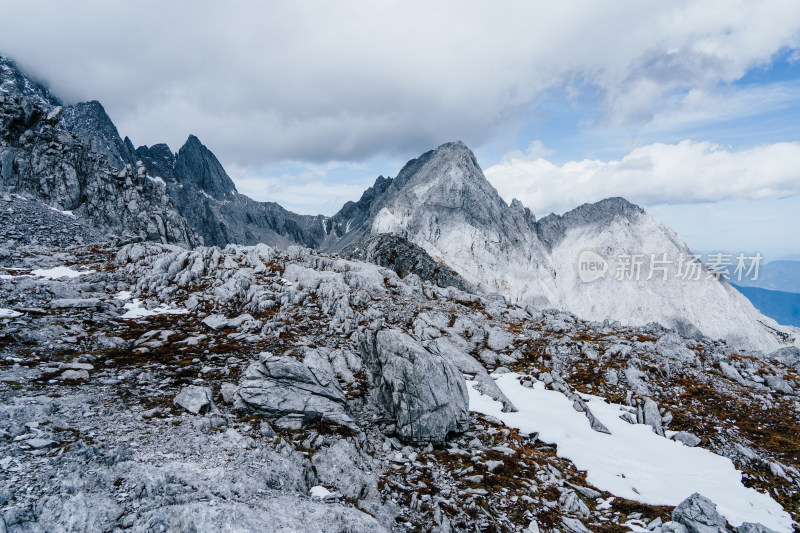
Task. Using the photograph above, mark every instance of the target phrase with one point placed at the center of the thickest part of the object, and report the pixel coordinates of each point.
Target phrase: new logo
(591, 266)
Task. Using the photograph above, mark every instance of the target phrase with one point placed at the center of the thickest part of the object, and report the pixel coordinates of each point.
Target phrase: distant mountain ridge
(781, 275)
(783, 307)
(206, 196)
(439, 204)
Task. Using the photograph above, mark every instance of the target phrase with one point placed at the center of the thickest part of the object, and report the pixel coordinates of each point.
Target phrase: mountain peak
(193, 141)
(448, 177)
(456, 150)
(92, 125)
(197, 166)
(552, 228)
(14, 81)
(454, 146)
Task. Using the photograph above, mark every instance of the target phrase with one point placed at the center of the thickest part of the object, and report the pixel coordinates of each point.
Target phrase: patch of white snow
(59, 272)
(137, 310)
(318, 491)
(68, 213)
(632, 462)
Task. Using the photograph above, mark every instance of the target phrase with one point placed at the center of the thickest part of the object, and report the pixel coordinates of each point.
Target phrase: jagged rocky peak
(445, 187)
(90, 123)
(72, 158)
(197, 166)
(159, 161)
(449, 177)
(14, 81)
(552, 228)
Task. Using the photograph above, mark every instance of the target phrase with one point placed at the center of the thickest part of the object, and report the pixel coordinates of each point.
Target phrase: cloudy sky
(691, 109)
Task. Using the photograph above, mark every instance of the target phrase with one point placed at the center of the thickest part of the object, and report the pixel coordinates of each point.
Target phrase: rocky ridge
(204, 194)
(41, 157)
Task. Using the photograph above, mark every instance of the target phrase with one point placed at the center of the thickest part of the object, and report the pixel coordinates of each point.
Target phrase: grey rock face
(196, 167)
(404, 257)
(13, 81)
(552, 228)
(343, 467)
(424, 393)
(789, 356)
(31, 221)
(41, 156)
(77, 303)
(352, 221)
(91, 125)
(673, 527)
(285, 387)
(277, 514)
(206, 196)
(651, 416)
(699, 515)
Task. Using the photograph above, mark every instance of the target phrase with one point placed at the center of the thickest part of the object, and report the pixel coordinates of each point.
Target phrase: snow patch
(59, 272)
(136, 310)
(319, 491)
(67, 213)
(157, 179)
(632, 462)
(9, 313)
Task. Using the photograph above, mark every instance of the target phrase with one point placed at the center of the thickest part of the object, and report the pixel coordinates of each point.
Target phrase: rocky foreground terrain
(147, 387)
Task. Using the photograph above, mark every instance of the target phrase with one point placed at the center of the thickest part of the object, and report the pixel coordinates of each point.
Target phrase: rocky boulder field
(147, 387)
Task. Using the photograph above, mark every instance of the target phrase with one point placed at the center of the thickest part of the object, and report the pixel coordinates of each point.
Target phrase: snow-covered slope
(443, 203)
(710, 305)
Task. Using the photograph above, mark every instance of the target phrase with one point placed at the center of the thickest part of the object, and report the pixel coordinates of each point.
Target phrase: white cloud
(305, 189)
(322, 80)
(658, 174)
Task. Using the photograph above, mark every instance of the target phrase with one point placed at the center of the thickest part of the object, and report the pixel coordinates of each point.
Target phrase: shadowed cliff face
(196, 166)
(206, 196)
(72, 159)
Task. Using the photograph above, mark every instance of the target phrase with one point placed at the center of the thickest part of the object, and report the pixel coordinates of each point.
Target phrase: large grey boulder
(422, 392)
(282, 387)
(194, 399)
(688, 439)
(651, 416)
(699, 515)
